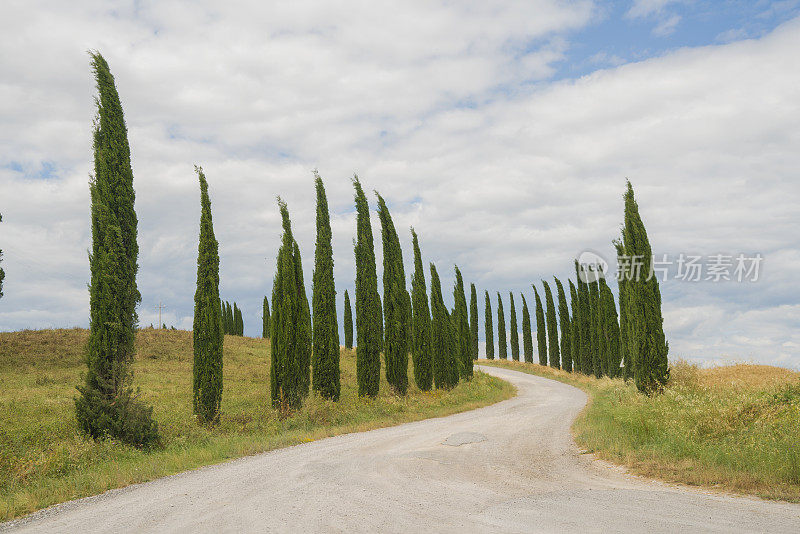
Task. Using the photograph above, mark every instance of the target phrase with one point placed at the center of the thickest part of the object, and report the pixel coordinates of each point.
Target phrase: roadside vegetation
(45, 458)
(735, 428)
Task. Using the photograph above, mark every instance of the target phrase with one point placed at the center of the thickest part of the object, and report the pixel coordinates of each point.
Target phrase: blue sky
(503, 132)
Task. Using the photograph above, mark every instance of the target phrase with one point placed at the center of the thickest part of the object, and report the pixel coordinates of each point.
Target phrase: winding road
(509, 467)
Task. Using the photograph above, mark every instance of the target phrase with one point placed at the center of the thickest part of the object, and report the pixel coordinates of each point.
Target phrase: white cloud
(445, 109)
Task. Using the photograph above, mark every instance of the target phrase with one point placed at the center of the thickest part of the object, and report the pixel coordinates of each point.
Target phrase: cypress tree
(369, 324)
(622, 283)
(2, 273)
(594, 327)
(237, 320)
(305, 341)
(106, 405)
(502, 350)
(265, 319)
(612, 331)
(563, 321)
(229, 323)
(285, 336)
(348, 322)
(585, 320)
(602, 328)
(325, 334)
(541, 336)
(421, 341)
(395, 300)
(645, 334)
(473, 321)
(575, 332)
(514, 331)
(527, 336)
(443, 340)
(488, 326)
(381, 332)
(463, 335)
(552, 328)
(207, 327)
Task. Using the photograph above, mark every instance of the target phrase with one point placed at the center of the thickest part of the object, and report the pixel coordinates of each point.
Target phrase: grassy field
(734, 427)
(44, 460)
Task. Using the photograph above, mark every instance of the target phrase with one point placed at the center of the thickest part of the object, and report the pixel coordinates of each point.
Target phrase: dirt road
(510, 467)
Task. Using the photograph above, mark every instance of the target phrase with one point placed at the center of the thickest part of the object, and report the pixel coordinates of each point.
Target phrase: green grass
(44, 460)
(735, 428)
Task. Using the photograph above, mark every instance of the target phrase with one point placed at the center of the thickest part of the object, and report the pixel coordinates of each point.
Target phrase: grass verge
(44, 460)
(735, 427)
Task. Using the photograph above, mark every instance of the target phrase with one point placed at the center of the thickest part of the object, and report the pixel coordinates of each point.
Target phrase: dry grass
(735, 427)
(44, 460)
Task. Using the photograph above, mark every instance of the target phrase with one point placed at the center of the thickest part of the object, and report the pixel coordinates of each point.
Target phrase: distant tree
(348, 322)
(541, 336)
(527, 336)
(552, 328)
(421, 342)
(444, 344)
(473, 321)
(502, 348)
(396, 303)
(488, 326)
(369, 324)
(622, 282)
(564, 323)
(238, 321)
(207, 334)
(462, 330)
(514, 331)
(265, 319)
(584, 320)
(645, 334)
(611, 329)
(230, 328)
(325, 329)
(107, 405)
(594, 328)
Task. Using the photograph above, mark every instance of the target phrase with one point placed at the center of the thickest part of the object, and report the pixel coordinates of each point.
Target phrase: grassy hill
(44, 460)
(734, 427)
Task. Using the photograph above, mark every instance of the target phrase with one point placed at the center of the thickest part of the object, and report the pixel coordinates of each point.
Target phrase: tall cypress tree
(106, 405)
(229, 323)
(622, 283)
(514, 331)
(541, 336)
(237, 320)
(488, 327)
(207, 327)
(444, 346)
(527, 336)
(502, 349)
(265, 318)
(421, 340)
(594, 327)
(552, 328)
(304, 328)
(348, 322)
(563, 321)
(603, 328)
(287, 338)
(368, 315)
(325, 353)
(585, 320)
(575, 331)
(395, 303)
(462, 327)
(645, 322)
(473, 321)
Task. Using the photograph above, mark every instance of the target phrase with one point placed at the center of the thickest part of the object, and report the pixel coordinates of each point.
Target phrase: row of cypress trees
(594, 339)
(232, 322)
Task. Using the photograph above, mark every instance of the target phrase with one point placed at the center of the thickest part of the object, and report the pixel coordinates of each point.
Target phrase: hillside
(44, 460)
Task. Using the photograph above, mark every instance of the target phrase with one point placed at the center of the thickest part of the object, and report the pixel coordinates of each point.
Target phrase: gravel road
(510, 467)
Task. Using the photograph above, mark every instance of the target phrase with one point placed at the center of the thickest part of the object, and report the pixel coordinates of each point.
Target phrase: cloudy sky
(502, 131)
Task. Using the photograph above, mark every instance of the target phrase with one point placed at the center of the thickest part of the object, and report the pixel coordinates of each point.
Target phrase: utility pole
(159, 308)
